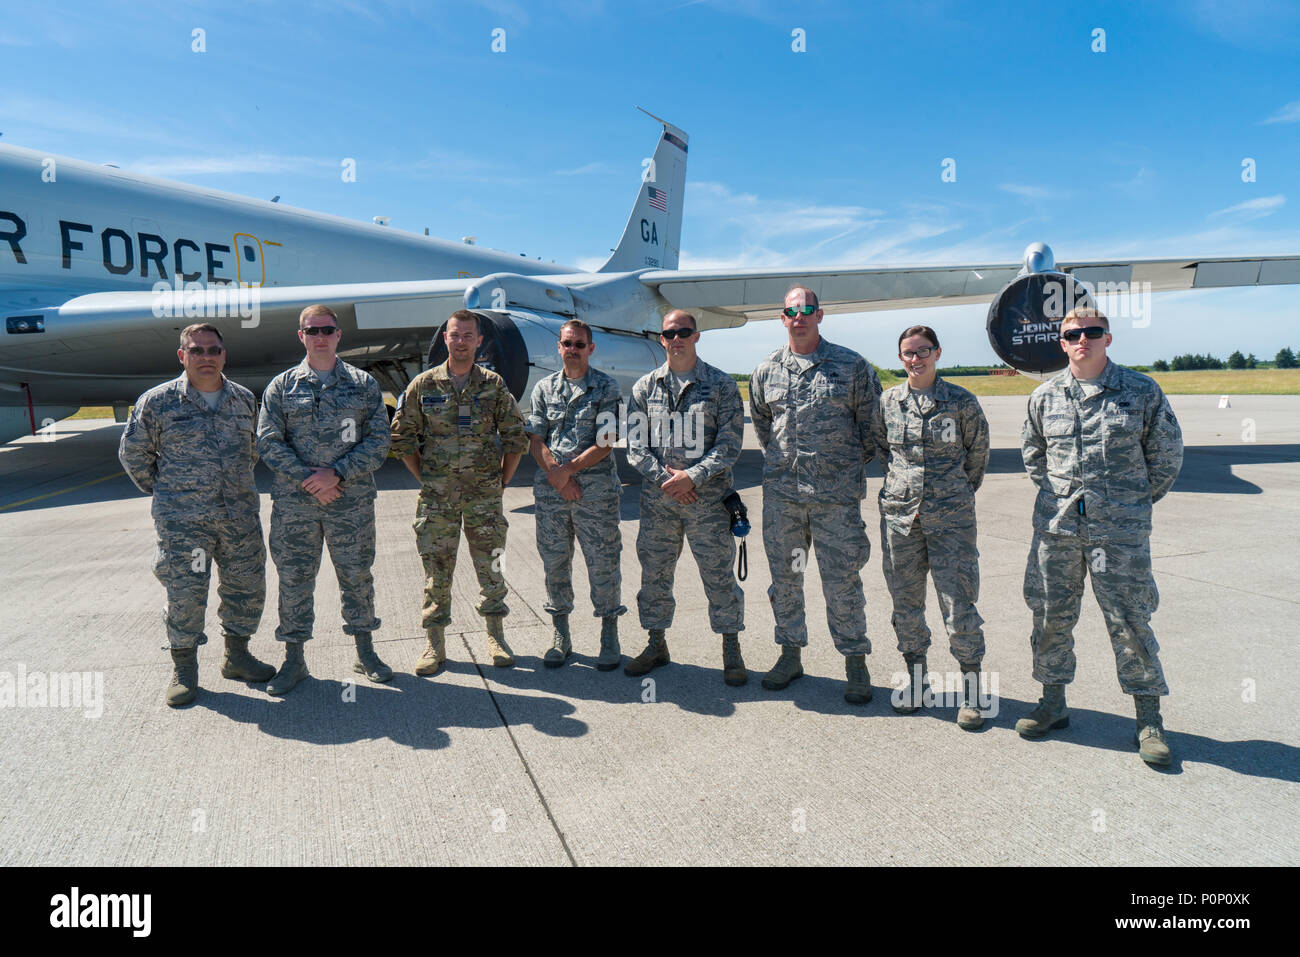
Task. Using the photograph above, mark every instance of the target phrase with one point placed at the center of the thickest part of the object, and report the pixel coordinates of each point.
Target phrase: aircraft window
(249, 254)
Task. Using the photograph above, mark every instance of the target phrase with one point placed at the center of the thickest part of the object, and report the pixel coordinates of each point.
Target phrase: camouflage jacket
(196, 462)
(700, 433)
(934, 452)
(568, 427)
(305, 425)
(1100, 454)
(815, 425)
(459, 436)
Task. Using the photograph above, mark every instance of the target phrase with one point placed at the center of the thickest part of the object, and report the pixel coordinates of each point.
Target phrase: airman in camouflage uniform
(577, 490)
(934, 443)
(190, 444)
(462, 441)
(685, 430)
(812, 404)
(1102, 445)
(323, 432)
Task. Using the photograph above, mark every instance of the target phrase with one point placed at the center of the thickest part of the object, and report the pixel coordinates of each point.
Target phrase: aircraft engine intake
(1024, 321)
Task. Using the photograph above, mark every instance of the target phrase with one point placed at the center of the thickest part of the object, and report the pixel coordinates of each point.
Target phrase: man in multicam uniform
(323, 432)
(1102, 445)
(577, 491)
(685, 429)
(934, 443)
(447, 428)
(190, 444)
(812, 404)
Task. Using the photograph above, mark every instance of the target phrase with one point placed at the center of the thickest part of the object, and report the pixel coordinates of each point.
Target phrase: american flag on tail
(658, 199)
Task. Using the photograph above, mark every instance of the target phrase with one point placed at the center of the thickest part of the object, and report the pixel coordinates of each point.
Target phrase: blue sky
(826, 157)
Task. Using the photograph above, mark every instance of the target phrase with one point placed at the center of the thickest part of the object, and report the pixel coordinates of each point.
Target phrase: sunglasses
(573, 344)
(1092, 332)
(319, 330)
(671, 334)
(197, 351)
(791, 311)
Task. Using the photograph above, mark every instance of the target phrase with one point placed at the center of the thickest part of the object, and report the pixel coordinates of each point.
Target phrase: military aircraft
(100, 268)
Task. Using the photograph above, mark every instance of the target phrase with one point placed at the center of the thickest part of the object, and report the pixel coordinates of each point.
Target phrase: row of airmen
(1100, 442)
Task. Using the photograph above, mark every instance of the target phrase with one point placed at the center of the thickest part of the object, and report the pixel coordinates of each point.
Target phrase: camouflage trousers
(789, 531)
(950, 556)
(298, 530)
(437, 536)
(706, 525)
(1126, 591)
(185, 554)
(594, 520)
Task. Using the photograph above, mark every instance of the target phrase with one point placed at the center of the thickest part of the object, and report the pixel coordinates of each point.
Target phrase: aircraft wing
(725, 298)
(375, 305)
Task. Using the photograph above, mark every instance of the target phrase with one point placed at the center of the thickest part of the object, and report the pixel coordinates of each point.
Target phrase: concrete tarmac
(530, 765)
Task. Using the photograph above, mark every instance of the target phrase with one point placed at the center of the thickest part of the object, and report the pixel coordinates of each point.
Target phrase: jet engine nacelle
(502, 291)
(522, 347)
(1024, 321)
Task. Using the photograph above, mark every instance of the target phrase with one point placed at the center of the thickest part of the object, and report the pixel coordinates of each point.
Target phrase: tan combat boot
(787, 668)
(291, 672)
(561, 643)
(502, 656)
(368, 663)
(968, 715)
(909, 700)
(733, 664)
(1050, 714)
(1150, 738)
(435, 652)
(185, 677)
(239, 663)
(654, 656)
(858, 688)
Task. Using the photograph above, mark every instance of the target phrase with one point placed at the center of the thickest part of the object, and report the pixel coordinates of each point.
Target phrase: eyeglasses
(197, 351)
(319, 330)
(461, 336)
(1092, 332)
(791, 311)
(573, 344)
(918, 354)
(671, 334)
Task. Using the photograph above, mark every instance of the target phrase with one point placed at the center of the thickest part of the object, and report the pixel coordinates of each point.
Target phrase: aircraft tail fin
(652, 238)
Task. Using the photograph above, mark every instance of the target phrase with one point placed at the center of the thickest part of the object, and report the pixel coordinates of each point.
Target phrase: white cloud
(1253, 208)
(207, 165)
(1287, 114)
(586, 170)
(1026, 191)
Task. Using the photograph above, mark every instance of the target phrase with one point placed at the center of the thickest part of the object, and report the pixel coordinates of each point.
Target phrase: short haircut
(681, 312)
(579, 324)
(795, 288)
(918, 331)
(1077, 316)
(187, 334)
(464, 315)
(315, 311)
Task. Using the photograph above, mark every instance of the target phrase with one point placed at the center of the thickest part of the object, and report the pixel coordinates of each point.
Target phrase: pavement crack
(537, 788)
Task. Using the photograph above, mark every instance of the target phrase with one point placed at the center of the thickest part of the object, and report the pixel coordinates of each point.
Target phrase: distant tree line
(1286, 359)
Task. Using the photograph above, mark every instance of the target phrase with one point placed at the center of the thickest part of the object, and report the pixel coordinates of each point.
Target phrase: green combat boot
(291, 672)
(908, 700)
(562, 646)
(1151, 730)
(368, 662)
(502, 656)
(968, 715)
(733, 665)
(610, 651)
(242, 665)
(655, 654)
(858, 689)
(185, 677)
(787, 668)
(1050, 714)
(435, 652)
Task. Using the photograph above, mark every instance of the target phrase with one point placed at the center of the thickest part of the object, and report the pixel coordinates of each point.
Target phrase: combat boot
(858, 689)
(610, 651)
(733, 665)
(968, 715)
(787, 668)
(1050, 714)
(562, 645)
(291, 672)
(502, 656)
(242, 665)
(655, 655)
(185, 677)
(909, 700)
(368, 662)
(435, 652)
(1150, 738)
